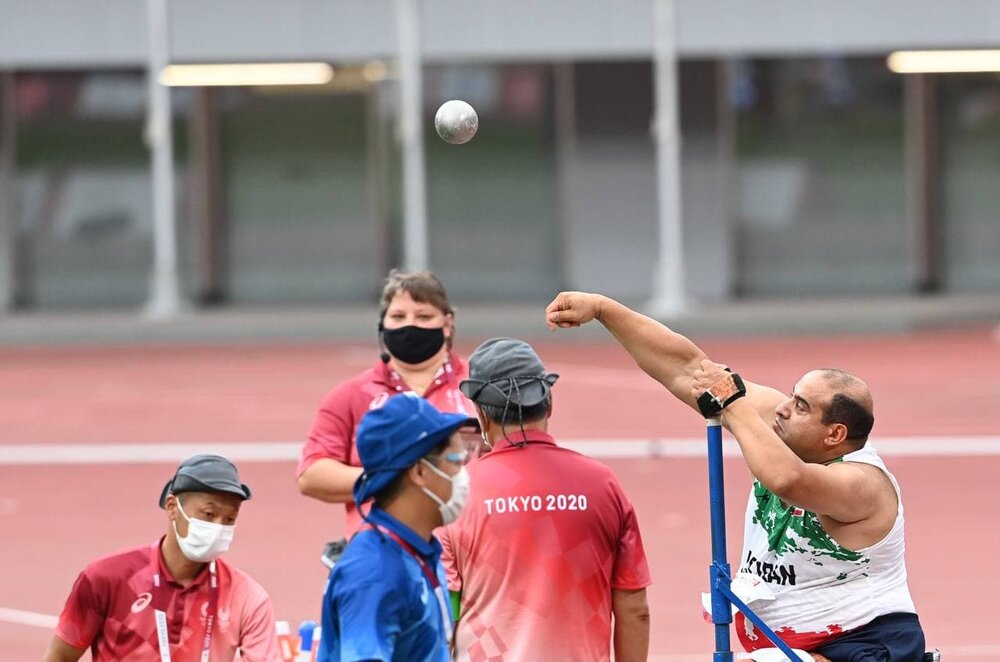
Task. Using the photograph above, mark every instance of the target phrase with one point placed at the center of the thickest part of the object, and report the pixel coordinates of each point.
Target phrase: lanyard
(159, 600)
(429, 575)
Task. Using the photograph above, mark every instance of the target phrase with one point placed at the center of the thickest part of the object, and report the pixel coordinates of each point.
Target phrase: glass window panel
(970, 176)
(299, 222)
(492, 202)
(820, 200)
(612, 241)
(84, 195)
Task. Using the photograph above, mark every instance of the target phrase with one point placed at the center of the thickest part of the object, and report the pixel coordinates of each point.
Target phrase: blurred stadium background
(808, 167)
(805, 185)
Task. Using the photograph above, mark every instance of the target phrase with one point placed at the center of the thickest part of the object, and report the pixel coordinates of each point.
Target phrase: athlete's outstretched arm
(668, 357)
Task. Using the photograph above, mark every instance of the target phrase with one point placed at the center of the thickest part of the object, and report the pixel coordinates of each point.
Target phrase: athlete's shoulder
(867, 454)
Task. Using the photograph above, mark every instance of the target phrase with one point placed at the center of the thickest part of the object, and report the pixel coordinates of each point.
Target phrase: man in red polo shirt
(174, 599)
(548, 548)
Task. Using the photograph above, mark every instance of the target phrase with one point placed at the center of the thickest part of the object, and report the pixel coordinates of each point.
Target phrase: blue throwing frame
(720, 576)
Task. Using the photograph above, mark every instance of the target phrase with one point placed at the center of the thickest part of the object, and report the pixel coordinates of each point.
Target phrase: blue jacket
(380, 605)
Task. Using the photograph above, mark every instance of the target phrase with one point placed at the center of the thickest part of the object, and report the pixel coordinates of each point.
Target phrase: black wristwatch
(720, 394)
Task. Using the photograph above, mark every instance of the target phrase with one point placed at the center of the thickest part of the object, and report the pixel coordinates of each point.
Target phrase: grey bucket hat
(505, 372)
(205, 472)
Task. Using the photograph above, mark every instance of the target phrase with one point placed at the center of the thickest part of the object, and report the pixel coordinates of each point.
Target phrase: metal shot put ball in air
(456, 122)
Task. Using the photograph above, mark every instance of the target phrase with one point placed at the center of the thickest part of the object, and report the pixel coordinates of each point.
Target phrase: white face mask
(452, 508)
(205, 541)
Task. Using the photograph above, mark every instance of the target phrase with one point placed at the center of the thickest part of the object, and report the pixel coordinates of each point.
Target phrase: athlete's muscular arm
(631, 634)
(668, 357)
(844, 491)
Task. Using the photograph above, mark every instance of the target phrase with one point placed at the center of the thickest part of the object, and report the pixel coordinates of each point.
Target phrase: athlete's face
(799, 419)
(404, 311)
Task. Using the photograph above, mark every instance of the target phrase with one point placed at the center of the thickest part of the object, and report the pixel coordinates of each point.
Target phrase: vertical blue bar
(722, 614)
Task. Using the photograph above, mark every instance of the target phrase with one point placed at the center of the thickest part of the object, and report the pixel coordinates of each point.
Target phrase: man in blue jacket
(386, 597)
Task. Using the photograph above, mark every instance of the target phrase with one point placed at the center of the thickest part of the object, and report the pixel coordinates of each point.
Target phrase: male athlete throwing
(824, 524)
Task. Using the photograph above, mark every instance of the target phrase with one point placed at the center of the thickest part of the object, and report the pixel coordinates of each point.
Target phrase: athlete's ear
(836, 434)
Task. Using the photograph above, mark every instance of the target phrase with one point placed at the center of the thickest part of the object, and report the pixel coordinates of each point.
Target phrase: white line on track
(971, 650)
(21, 617)
(288, 451)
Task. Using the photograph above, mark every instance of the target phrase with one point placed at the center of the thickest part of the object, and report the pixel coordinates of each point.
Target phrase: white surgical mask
(452, 508)
(205, 541)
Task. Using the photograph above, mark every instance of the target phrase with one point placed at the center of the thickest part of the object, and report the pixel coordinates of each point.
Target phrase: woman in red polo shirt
(416, 332)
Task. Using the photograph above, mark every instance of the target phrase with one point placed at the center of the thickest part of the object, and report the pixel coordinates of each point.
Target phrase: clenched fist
(572, 309)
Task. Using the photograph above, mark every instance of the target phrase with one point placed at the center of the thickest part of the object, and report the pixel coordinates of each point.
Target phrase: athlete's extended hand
(705, 376)
(571, 309)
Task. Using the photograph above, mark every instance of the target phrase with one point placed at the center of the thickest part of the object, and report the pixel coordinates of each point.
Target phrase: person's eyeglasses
(471, 438)
(458, 457)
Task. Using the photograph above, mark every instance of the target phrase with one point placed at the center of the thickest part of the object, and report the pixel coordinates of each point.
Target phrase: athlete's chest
(786, 544)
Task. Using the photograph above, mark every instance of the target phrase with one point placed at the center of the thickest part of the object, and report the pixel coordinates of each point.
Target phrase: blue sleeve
(362, 613)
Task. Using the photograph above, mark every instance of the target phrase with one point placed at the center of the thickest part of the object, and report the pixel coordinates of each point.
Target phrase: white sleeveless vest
(821, 589)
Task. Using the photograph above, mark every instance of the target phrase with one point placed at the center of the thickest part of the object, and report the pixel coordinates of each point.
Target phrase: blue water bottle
(306, 641)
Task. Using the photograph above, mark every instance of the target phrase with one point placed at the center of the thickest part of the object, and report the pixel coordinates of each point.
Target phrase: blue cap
(394, 437)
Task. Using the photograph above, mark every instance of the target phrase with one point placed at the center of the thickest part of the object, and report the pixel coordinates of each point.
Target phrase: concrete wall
(72, 34)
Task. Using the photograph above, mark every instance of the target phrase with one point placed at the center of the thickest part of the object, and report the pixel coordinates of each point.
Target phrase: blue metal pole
(719, 573)
(752, 616)
(722, 614)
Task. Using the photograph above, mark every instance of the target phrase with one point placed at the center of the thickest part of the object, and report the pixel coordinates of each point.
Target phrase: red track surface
(54, 519)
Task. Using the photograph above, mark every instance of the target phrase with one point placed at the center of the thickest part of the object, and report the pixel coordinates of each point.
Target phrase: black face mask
(413, 344)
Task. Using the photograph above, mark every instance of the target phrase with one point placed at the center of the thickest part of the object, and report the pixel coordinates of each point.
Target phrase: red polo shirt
(109, 611)
(332, 434)
(545, 537)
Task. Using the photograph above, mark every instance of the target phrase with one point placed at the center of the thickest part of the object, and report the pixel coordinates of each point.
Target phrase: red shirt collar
(159, 565)
(452, 366)
(514, 439)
